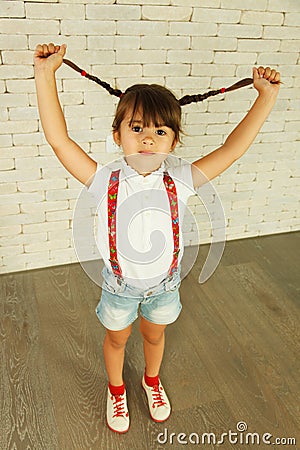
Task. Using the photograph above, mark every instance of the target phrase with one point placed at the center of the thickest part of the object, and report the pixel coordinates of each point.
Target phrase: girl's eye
(161, 132)
(137, 129)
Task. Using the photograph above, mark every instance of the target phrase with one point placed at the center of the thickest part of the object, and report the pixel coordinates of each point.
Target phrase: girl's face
(145, 148)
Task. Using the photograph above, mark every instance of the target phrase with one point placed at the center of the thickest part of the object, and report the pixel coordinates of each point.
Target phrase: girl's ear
(116, 136)
(175, 142)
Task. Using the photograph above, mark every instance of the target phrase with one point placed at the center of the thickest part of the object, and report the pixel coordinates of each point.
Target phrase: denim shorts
(120, 302)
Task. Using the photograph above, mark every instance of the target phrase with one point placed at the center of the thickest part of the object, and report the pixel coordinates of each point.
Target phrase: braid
(187, 99)
(105, 85)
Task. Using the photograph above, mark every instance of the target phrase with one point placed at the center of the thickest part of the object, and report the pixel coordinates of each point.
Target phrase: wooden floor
(232, 356)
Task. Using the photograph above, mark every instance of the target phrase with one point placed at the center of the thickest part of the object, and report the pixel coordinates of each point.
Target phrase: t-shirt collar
(130, 171)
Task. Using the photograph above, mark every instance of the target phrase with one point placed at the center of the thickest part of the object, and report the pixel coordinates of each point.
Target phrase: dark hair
(159, 106)
(186, 100)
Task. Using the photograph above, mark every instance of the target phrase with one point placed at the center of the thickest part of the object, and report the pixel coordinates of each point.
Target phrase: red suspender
(172, 194)
(112, 198)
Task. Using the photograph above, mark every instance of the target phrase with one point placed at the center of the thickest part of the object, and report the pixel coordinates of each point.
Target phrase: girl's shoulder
(98, 185)
(181, 170)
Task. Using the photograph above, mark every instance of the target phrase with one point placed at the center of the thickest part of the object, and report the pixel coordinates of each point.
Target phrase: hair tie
(222, 90)
(83, 73)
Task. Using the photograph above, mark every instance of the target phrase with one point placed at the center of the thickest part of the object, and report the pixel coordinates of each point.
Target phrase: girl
(147, 126)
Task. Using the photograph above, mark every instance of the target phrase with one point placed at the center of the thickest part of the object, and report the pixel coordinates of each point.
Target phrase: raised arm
(266, 81)
(47, 59)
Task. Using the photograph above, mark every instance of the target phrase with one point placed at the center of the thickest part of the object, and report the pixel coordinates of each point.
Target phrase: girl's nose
(148, 140)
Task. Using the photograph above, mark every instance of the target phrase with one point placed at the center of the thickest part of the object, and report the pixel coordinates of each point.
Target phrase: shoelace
(119, 406)
(157, 394)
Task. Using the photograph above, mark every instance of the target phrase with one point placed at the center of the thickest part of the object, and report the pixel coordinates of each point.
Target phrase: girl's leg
(154, 344)
(114, 350)
(117, 415)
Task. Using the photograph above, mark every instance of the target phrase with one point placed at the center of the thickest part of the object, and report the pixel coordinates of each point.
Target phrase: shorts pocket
(114, 288)
(174, 283)
(111, 283)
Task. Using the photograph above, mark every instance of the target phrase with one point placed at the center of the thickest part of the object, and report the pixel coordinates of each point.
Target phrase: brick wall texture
(190, 46)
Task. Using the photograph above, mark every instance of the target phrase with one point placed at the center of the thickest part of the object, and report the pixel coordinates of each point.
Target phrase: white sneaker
(158, 402)
(117, 415)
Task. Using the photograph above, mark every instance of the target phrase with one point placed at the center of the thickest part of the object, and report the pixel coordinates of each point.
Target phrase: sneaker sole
(154, 420)
(117, 431)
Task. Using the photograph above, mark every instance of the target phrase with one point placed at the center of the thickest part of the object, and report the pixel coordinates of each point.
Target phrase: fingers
(51, 48)
(62, 50)
(45, 50)
(255, 74)
(38, 50)
(269, 74)
(277, 78)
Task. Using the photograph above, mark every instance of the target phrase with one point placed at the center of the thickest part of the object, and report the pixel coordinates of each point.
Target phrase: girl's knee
(154, 339)
(118, 339)
(152, 333)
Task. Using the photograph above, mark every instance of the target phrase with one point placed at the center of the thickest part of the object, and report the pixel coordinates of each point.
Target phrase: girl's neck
(133, 163)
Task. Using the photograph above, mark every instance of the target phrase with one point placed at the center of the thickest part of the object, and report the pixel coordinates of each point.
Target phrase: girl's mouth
(146, 153)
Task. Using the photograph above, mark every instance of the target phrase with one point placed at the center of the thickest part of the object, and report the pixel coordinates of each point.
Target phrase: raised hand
(266, 80)
(49, 56)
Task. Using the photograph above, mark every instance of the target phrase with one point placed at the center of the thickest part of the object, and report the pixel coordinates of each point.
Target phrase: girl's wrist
(44, 71)
(265, 102)
(267, 96)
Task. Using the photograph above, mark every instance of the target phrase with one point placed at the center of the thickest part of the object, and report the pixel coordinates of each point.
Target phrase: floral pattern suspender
(173, 200)
(112, 198)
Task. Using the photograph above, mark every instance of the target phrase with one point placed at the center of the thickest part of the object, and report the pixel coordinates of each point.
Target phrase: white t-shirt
(144, 233)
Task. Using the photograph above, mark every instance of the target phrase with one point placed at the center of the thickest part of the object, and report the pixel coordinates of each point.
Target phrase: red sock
(151, 381)
(116, 390)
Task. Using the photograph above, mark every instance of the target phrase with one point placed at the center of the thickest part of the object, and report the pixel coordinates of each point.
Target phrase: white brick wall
(187, 45)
